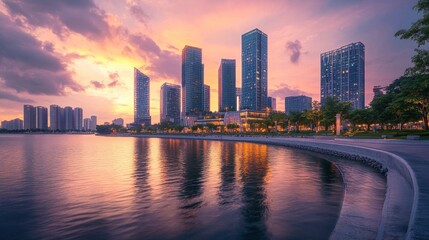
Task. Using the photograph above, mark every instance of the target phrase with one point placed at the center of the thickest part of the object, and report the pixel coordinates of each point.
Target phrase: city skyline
(97, 76)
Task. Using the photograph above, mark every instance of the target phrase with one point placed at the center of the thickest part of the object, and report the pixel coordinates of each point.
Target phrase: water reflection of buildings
(141, 174)
(227, 173)
(193, 178)
(254, 171)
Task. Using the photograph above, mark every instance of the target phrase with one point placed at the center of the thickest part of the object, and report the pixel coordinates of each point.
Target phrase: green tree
(362, 116)
(418, 32)
(415, 91)
(296, 119)
(332, 107)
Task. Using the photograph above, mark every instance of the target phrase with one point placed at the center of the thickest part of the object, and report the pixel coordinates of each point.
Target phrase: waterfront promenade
(406, 209)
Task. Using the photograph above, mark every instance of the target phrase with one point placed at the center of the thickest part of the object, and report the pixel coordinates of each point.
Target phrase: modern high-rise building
(238, 94)
(272, 103)
(297, 104)
(30, 119)
(254, 60)
(343, 74)
(87, 124)
(141, 98)
(55, 117)
(68, 118)
(78, 118)
(42, 118)
(170, 103)
(192, 81)
(226, 85)
(206, 98)
(93, 125)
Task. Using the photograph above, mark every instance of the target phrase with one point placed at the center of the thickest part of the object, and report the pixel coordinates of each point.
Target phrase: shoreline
(397, 214)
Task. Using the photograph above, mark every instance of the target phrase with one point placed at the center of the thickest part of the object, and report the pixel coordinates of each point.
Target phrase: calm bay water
(88, 187)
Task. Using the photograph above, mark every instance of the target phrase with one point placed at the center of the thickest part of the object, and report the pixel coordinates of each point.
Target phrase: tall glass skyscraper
(226, 84)
(69, 118)
(254, 59)
(192, 81)
(78, 118)
(343, 74)
(29, 117)
(141, 98)
(170, 103)
(42, 118)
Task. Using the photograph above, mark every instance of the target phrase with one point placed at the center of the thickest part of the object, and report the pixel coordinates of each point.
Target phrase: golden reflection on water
(168, 188)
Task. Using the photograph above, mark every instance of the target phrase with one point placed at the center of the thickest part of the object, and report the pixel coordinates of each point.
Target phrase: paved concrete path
(416, 153)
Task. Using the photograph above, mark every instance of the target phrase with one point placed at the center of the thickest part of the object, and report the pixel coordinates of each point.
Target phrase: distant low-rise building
(272, 103)
(15, 124)
(118, 122)
(297, 104)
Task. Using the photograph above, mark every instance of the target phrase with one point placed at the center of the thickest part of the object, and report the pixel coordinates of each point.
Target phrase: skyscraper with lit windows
(254, 60)
(226, 83)
(170, 103)
(192, 81)
(141, 98)
(343, 74)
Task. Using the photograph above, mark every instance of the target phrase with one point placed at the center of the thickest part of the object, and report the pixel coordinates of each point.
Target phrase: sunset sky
(81, 53)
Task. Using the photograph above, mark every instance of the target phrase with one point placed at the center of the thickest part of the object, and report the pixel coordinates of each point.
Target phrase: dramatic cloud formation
(164, 63)
(294, 50)
(80, 16)
(115, 80)
(137, 11)
(97, 84)
(12, 97)
(28, 65)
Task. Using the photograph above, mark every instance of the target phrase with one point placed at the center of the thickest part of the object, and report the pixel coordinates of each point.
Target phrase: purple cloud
(294, 50)
(80, 16)
(97, 84)
(137, 11)
(12, 97)
(28, 65)
(115, 80)
(164, 63)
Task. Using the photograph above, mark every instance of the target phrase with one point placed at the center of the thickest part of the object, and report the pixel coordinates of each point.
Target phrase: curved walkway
(406, 209)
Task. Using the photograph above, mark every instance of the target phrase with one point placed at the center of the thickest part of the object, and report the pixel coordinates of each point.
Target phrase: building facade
(343, 74)
(68, 119)
(297, 104)
(254, 59)
(141, 98)
(78, 119)
(118, 122)
(93, 124)
(238, 97)
(30, 119)
(226, 85)
(15, 124)
(272, 103)
(42, 118)
(56, 117)
(87, 124)
(192, 81)
(170, 103)
(206, 98)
